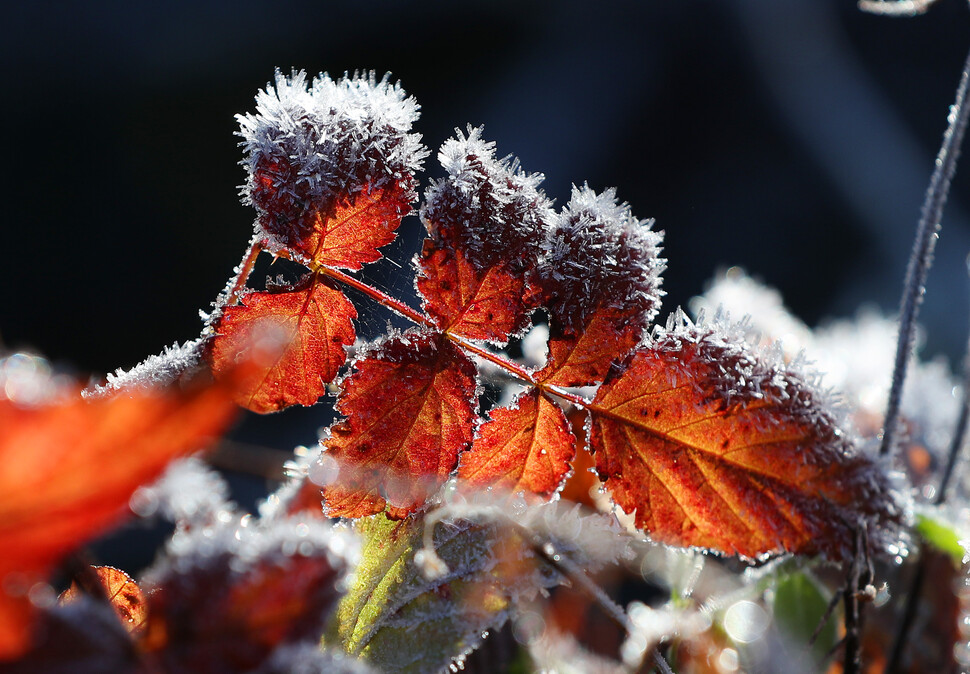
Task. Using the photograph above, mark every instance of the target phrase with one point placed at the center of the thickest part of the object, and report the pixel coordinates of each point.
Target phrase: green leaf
(941, 536)
(800, 603)
(398, 620)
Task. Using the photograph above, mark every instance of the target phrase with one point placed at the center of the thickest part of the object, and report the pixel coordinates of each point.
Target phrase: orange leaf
(525, 448)
(350, 234)
(489, 304)
(311, 321)
(712, 448)
(68, 468)
(121, 591)
(410, 408)
(584, 358)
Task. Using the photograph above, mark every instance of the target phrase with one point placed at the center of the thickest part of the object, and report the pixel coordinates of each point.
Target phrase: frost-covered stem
(243, 271)
(916, 584)
(896, 7)
(404, 310)
(922, 256)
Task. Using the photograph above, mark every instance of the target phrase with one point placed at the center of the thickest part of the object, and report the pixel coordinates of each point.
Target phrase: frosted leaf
(401, 620)
(598, 256)
(189, 493)
(311, 145)
(781, 402)
(224, 597)
(155, 371)
(489, 206)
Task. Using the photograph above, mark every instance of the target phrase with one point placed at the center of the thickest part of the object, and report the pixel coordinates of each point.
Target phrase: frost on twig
(162, 370)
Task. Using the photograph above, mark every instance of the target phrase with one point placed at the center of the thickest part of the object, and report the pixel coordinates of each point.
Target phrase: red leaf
(350, 234)
(490, 304)
(411, 409)
(713, 449)
(584, 358)
(524, 448)
(67, 470)
(311, 321)
(126, 598)
(225, 605)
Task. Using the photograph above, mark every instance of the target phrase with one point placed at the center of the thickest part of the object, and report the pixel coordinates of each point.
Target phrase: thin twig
(922, 257)
(916, 584)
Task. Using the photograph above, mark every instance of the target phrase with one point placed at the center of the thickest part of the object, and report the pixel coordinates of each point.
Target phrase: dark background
(794, 138)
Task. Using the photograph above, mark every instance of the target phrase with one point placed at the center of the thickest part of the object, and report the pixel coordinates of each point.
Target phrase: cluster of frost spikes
(155, 371)
(311, 145)
(598, 256)
(488, 206)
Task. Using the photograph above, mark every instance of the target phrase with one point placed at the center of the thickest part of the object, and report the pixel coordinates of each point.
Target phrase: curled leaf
(331, 165)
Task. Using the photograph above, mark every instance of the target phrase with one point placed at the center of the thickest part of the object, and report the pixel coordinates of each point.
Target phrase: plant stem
(922, 256)
(916, 584)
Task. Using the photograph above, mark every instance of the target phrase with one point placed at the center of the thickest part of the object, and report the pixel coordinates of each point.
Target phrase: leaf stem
(913, 594)
(922, 256)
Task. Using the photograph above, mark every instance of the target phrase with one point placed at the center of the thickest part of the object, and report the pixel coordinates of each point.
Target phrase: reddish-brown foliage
(527, 447)
(751, 476)
(121, 591)
(67, 470)
(490, 304)
(210, 619)
(294, 337)
(410, 408)
(584, 358)
(351, 234)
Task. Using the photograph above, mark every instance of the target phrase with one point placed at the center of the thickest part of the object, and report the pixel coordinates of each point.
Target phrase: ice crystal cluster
(313, 145)
(599, 255)
(489, 206)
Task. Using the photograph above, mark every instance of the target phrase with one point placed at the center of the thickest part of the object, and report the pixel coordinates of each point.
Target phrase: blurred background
(793, 138)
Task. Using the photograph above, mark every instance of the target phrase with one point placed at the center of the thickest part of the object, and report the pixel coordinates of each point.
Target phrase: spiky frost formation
(488, 206)
(598, 256)
(310, 147)
(153, 372)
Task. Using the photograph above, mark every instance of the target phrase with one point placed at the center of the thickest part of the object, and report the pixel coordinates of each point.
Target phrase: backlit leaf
(584, 358)
(68, 468)
(331, 165)
(295, 338)
(123, 593)
(411, 408)
(350, 234)
(712, 447)
(490, 304)
(527, 447)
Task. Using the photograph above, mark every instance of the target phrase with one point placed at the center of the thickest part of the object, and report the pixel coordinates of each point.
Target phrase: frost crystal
(487, 206)
(189, 493)
(310, 147)
(155, 371)
(598, 256)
